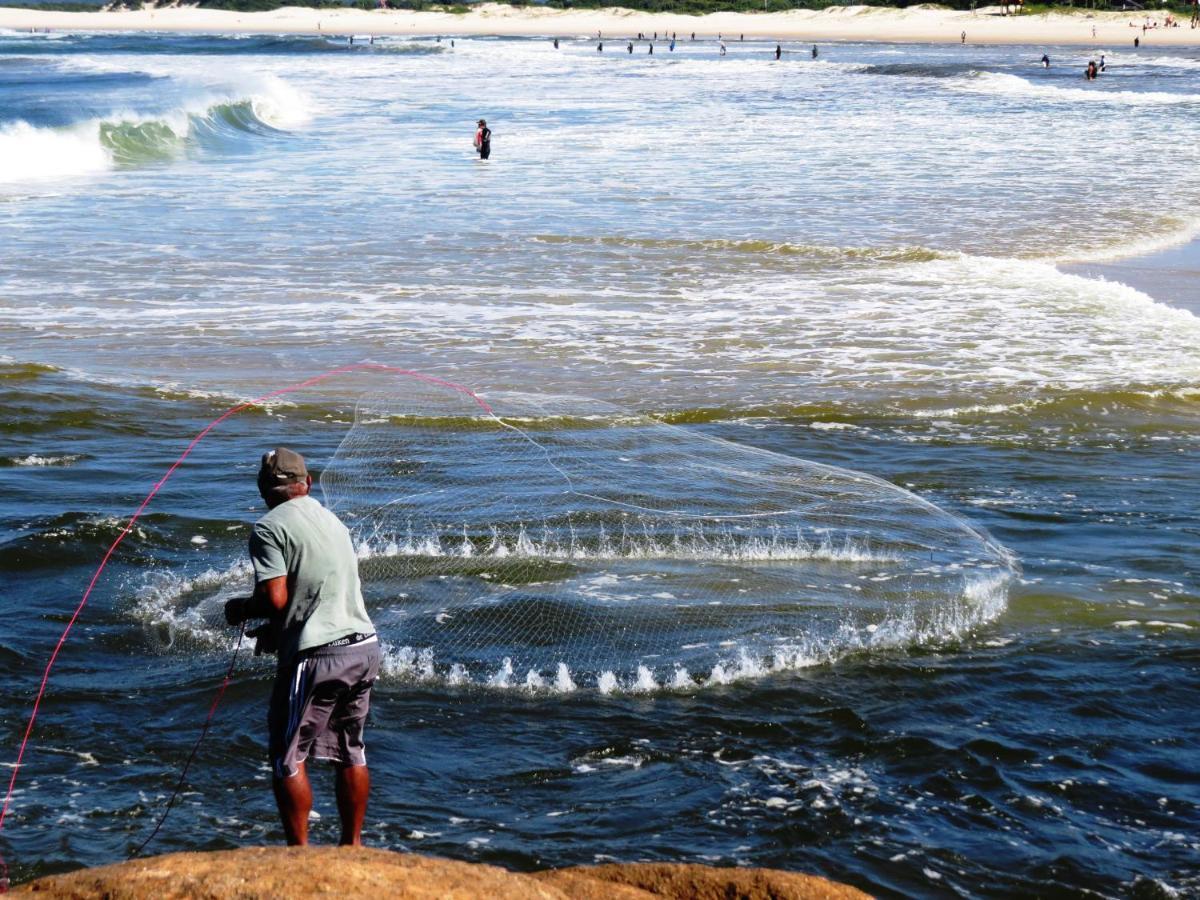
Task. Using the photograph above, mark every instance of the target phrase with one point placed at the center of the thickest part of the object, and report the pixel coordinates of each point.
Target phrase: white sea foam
(1015, 85)
(30, 154)
(171, 606)
(1174, 233)
(697, 543)
(982, 600)
(34, 459)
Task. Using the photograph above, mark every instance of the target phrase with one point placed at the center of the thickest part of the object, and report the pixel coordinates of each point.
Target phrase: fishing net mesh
(561, 542)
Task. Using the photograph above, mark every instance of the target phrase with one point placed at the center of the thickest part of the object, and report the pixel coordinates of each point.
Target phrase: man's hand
(270, 597)
(265, 639)
(235, 610)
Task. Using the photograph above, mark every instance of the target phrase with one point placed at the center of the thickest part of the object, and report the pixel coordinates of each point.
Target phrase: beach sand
(1169, 276)
(843, 23)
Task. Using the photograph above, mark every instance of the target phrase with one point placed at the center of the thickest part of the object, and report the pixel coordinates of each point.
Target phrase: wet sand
(1169, 276)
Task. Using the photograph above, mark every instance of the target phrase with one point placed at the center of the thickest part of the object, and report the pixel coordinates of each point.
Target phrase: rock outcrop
(273, 872)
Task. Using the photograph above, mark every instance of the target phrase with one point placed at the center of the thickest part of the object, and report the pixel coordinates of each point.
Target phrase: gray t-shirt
(306, 542)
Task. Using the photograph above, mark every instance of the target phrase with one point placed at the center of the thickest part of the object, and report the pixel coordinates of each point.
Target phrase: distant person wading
(483, 140)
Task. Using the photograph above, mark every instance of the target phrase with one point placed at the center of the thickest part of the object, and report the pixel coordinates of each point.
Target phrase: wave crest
(30, 153)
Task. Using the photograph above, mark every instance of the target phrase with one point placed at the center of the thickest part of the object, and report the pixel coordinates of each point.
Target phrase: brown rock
(271, 872)
(682, 881)
(276, 872)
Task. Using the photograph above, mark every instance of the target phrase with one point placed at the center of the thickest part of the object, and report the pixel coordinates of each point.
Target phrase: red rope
(212, 711)
(232, 411)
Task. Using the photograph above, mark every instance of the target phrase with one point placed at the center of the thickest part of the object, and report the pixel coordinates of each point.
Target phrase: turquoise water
(853, 261)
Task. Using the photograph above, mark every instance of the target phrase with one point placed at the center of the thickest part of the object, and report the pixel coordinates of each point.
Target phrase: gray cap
(279, 467)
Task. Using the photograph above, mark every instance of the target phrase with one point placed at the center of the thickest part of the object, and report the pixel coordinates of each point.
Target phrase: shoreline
(1167, 276)
(842, 23)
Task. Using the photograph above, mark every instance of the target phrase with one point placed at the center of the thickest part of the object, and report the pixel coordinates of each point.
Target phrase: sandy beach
(847, 23)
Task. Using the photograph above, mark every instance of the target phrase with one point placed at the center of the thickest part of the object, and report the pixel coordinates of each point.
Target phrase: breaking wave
(30, 153)
(1014, 85)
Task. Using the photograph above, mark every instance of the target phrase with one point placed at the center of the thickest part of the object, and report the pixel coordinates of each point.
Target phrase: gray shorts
(319, 706)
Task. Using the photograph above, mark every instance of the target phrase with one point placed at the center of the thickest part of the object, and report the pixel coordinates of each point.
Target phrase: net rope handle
(158, 486)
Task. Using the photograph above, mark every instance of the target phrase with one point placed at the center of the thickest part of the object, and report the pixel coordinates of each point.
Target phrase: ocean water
(654, 614)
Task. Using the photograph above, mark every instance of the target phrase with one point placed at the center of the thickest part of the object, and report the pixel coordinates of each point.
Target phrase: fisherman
(483, 140)
(306, 585)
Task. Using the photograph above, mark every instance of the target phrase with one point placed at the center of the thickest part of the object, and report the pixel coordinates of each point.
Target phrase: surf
(122, 139)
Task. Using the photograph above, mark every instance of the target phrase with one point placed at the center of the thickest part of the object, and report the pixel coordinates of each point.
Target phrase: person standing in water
(778, 51)
(629, 46)
(483, 140)
(814, 51)
(1045, 61)
(722, 48)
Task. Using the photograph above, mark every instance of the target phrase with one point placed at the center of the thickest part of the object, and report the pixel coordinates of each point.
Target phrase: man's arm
(270, 597)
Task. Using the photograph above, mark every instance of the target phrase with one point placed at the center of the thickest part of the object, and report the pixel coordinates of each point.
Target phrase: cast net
(559, 542)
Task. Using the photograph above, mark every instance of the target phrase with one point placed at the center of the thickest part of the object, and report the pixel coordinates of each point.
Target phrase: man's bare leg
(353, 785)
(293, 796)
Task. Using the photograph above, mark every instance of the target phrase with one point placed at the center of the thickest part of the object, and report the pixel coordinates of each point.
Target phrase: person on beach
(307, 587)
(483, 140)
(778, 52)
(964, 38)
(723, 48)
